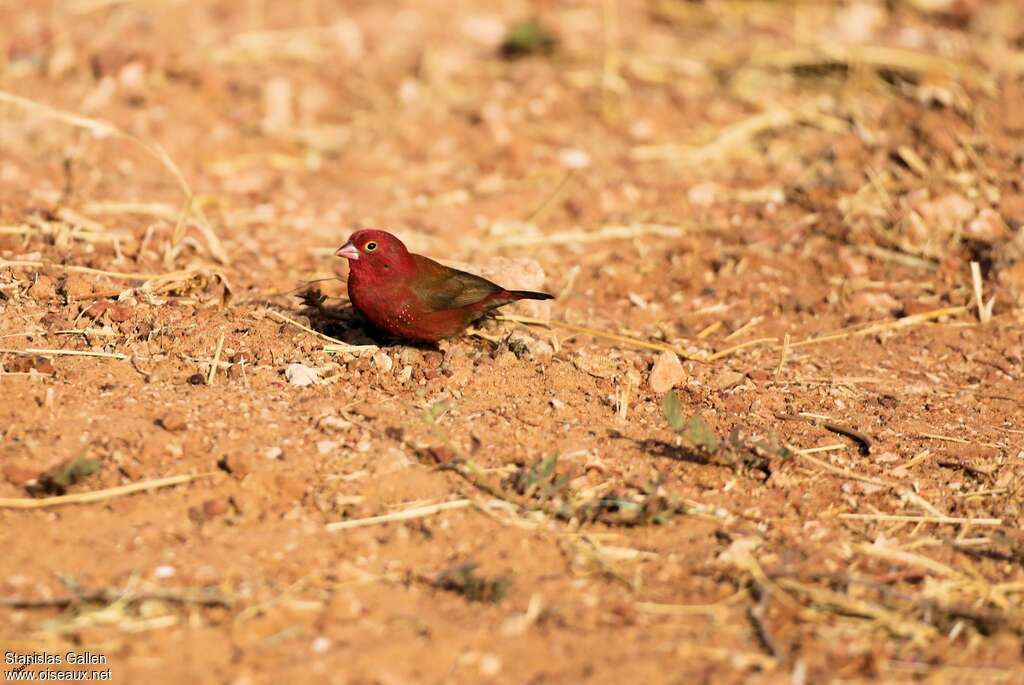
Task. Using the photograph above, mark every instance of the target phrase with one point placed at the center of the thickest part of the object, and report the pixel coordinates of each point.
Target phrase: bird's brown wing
(441, 287)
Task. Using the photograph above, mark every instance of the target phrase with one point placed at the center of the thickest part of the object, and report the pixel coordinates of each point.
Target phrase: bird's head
(376, 252)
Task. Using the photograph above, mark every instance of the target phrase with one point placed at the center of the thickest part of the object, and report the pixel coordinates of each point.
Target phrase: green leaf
(673, 412)
(700, 434)
(527, 38)
(547, 467)
(434, 412)
(74, 471)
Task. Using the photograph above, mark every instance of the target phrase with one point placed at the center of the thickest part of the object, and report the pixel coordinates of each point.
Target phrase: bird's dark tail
(530, 295)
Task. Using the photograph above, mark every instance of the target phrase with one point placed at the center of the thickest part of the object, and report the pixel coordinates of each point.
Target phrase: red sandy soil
(630, 165)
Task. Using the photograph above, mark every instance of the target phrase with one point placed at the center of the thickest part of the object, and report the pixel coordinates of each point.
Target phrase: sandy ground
(788, 196)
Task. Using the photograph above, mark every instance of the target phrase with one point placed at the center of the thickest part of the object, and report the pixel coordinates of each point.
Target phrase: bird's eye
(370, 246)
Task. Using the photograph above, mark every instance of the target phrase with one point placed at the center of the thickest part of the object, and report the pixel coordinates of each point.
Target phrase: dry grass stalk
(984, 308)
(875, 56)
(908, 558)
(124, 275)
(739, 135)
(154, 149)
(335, 347)
(100, 495)
(634, 342)
(404, 515)
(68, 353)
(216, 361)
(803, 454)
(836, 602)
(894, 324)
(952, 520)
(613, 232)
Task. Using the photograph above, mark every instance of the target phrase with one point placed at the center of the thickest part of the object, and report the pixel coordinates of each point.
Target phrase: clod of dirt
(77, 288)
(173, 421)
(236, 465)
(29, 364)
(215, 507)
(667, 373)
(43, 290)
(20, 474)
(301, 375)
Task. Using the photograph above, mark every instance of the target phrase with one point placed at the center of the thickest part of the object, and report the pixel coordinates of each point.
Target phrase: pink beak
(348, 251)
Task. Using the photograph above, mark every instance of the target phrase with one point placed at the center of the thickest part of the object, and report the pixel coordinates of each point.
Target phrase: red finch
(415, 298)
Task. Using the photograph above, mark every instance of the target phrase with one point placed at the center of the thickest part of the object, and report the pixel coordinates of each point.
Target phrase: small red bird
(413, 297)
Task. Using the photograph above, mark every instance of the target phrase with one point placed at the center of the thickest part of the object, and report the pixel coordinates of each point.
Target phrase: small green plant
(57, 480)
(733, 450)
(528, 38)
(539, 480)
(463, 580)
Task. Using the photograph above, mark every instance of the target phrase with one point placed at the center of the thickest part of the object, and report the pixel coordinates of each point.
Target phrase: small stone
(215, 507)
(987, 227)
(301, 375)
(274, 452)
(333, 424)
(173, 421)
(573, 158)
(727, 379)
(596, 365)
(321, 645)
(405, 375)
(557, 404)
(883, 303)
(382, 361)
(667, 373)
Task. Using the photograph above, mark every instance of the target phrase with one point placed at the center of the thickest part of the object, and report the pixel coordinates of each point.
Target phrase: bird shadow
(345, 323)
(666, 450)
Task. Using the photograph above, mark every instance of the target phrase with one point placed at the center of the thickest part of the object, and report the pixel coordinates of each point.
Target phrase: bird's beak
(348, 251)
